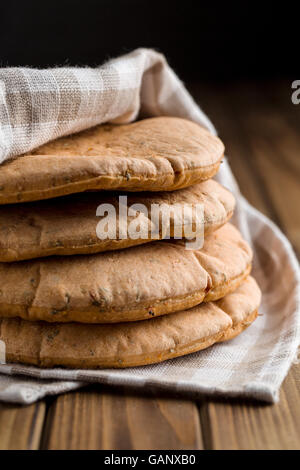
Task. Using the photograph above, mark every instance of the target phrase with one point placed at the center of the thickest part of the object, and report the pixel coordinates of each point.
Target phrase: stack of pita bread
(69, 298)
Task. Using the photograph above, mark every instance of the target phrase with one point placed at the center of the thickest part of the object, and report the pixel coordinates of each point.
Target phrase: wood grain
(247, 426)
(21, 426)
(91, 420)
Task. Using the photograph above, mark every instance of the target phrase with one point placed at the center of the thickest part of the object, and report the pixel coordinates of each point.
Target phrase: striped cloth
(39, 105)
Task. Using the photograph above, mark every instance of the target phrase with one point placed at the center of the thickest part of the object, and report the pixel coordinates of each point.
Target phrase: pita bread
(126, 285)
(68, 226)
(131, 344)
(157, 154)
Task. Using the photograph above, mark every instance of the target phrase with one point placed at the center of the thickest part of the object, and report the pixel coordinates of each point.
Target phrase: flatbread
(131, 344)
(68, 226)
(157, 154)
(126, 285)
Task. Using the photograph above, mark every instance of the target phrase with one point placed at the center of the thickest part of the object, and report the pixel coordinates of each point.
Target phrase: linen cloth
(39, 105)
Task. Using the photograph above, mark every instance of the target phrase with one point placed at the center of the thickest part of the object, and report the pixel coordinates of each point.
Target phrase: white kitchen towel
(39, 105)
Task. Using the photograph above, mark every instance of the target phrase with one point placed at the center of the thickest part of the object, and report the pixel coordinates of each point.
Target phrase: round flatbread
(131, 344)
(157, 154)
(126, 285)
(68, 226)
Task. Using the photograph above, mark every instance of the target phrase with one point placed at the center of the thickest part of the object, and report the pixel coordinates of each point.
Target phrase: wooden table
(260, 127)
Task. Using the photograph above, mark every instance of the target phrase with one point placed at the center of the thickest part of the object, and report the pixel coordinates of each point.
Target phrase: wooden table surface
(260, 127)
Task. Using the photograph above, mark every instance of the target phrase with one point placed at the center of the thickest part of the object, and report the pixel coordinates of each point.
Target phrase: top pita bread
(157, 154)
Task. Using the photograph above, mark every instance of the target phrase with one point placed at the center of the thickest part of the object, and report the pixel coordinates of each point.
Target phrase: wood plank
(240, 425)
(21, 426)
(91, 420)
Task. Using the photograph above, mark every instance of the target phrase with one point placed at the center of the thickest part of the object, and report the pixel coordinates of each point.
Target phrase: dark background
(202, 40)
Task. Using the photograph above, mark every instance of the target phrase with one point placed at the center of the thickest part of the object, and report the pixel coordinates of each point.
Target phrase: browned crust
(135, 284)
(105, 346)
(68, 226)
(156, 154)
(100, 246)
(143, 312)
(166, 182)
(230, 286)
(238, 328)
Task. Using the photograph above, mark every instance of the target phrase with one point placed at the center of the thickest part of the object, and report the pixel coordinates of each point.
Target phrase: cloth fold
(39, 105)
